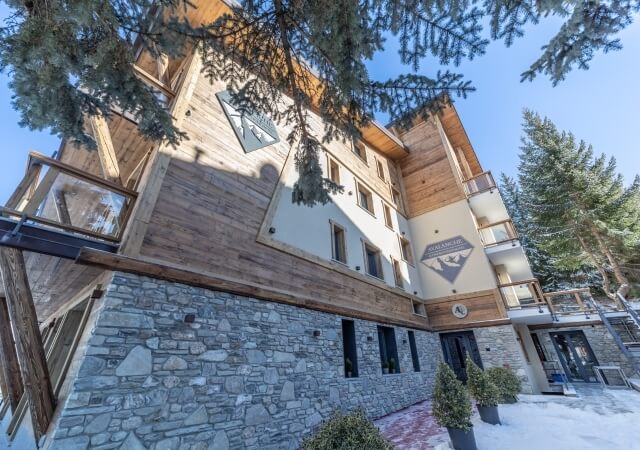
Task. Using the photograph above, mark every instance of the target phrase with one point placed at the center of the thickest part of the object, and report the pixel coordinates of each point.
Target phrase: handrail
(82, 174)
(517, 283)
(500, 222)
(486, 172)
(568, 291)
(506, 226)
(153, 81)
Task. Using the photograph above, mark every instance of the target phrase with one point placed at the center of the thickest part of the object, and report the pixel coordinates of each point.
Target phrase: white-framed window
(338, 243)
(334, 171)
(372, 260)
(380, 170)
(359, 149)
(388, 221)
(365, 198)
(397, 273)
(405, 250)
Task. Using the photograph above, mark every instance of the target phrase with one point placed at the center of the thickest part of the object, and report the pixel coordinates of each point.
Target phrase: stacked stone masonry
(245, 374)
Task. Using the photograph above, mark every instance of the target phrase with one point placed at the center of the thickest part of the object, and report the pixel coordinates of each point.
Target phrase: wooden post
(106, 151)
(33, 364)
(12, 388)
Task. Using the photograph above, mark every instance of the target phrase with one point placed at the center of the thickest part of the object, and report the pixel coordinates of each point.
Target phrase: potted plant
(507, 382)
(385, 367)
(348, 367)
(392, 365)
(452, 408)
(347, 431)
(484, 391)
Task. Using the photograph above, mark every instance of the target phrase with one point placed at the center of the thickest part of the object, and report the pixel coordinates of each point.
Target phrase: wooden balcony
(479, 183)
(58, 209)
(574, 301)
(498, 233)
(522, 294)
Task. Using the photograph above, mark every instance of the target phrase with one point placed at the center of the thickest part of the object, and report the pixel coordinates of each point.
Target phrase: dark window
(387, 216)
(396, 196)
(338, 246)
(380, 169)
(405, 250)
(539, 347)
(334, 171)
(397, 274)
(365, 199)
(349, 348)
(414, 351)
(359, 149)
(372, 261)
(388, 349)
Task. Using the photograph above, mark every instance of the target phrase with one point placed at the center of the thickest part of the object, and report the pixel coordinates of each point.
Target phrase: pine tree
(583, 213)
(480, 386)
(70, 59)
(451, 403)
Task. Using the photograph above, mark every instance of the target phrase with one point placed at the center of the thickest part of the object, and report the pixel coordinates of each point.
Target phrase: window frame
(360, 187)
(350, 347)
(413, 347)
(331, 163)
(380, 170)
(397, 273)
(332, 226)
(396, 197)
(386, 215)
(403, 254)
(361, 151)
(368, 245)
(388, 346)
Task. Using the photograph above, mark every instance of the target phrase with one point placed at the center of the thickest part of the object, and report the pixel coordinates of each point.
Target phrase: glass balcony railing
(574, 301)
(522, 294)
(59, 196)
(479, 183)
(497, 233)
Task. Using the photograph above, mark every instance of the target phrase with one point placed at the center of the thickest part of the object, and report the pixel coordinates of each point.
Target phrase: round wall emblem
(459, 310)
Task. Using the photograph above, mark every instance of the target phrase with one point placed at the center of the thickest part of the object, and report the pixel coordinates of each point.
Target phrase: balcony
(570, 302)
(498, 233)
(58, 209)
(479, 183)
(522, 294)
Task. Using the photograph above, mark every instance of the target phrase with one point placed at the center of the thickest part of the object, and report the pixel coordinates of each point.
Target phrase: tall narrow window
(405, 250)
(334, 171)
(380, 168)
(360, 150)
(397, 274)
(388, 349)
(365, 198)
(372, 260)
(395, 194)
(539, 347)
(349, 348)
(338, 243)
(387, 215)
(414, 351)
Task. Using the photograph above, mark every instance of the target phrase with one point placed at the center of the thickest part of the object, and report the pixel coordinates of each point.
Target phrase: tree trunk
(606, 285)
(617, 271)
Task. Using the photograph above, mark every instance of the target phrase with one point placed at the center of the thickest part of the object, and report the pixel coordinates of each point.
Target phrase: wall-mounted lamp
(415, 292)
(316, 333)
(357, 267)
(402, 233)
(188, 113)
(437, 231)
(272, 230)
(189, 318)
(369, 338)
(454, 291)
(350, 192)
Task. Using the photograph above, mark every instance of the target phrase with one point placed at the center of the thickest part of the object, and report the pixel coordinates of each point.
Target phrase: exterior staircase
(624, 326)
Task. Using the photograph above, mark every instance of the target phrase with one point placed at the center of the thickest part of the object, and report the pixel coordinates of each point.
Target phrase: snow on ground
(598, 419)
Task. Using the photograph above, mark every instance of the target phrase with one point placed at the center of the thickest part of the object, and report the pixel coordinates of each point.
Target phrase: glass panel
(480, 183)
(518, 295)
(500, 232)
(570, 363)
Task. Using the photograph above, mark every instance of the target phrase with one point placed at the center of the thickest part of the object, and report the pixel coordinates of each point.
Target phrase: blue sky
(601, 105)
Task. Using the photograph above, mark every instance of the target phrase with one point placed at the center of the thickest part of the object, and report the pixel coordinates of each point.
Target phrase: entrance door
(455, 347)
(576, 355)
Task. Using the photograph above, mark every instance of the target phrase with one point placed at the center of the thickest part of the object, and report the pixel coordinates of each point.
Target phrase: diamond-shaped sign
(254, 131)
(448, 257)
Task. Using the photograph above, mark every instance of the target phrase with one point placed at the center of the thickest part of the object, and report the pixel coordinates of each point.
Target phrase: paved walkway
(413, 428)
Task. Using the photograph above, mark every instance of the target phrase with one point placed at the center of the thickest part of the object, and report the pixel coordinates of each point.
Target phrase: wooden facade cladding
(429, 177)
(485, 308)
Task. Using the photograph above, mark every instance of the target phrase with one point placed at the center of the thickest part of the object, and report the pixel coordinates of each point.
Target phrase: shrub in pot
(507, 382)
(348, 367)
(452, 408)
(392, 365)
(385, 367)
(347, 432)
(484, 392)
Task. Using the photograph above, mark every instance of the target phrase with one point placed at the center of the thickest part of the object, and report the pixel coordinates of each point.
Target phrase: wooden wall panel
(428, 176)
(485, 309)
(213, 200)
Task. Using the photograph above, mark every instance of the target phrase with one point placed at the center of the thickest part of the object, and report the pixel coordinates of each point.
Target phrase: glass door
(576, 355)
(455, 347)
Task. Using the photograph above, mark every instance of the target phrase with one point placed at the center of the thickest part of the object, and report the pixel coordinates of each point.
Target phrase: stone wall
(244, 374)
(601, 342)
(499, 346)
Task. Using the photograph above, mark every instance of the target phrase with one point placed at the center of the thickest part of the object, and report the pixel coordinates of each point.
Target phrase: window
(372, 261)
(365, 198)
(539, 347)
(405, 250)
(395, 194)
(418, 308)
(349, 348)
(334, 171)
(360, 150)
(414, 351)
(387, 216)
(380, 168)
(338, 243)
(397, 274)
(388, 349)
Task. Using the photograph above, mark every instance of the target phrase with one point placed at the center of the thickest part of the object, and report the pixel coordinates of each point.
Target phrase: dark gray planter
(462, 440)
(489, 414)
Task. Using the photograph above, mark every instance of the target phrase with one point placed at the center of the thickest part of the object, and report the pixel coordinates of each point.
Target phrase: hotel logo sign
(254, 131)
(448, 257)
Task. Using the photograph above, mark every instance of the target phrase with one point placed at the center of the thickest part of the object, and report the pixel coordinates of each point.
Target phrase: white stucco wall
(308, 229)
(450, 221)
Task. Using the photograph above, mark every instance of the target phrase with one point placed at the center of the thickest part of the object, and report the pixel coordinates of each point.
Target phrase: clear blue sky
(601, 105)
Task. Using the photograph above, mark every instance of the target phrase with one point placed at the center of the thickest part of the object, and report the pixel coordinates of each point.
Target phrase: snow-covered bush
(506, 381)
(352, 431)
(451, 403)
(480, 386)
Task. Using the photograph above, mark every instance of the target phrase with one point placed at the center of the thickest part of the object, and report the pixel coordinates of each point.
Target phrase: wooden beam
(61, 207)
(12, 388)
(162, 64)
(31, 356)
(41, 192)
(106, 150)
(26, 187)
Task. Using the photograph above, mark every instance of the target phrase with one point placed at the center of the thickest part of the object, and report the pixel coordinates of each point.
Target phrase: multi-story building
(170, 298)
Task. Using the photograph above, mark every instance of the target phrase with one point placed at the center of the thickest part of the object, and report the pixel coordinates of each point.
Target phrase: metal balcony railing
(58, 196)
(498, 233)
(479, 183)
(522, 294)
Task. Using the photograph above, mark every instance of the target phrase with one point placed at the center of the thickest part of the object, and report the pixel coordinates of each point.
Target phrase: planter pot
(385, 371)
(462, 440)
(348, 374)
(510, 400)
(489, 414)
